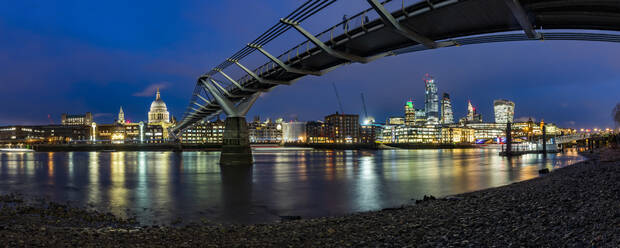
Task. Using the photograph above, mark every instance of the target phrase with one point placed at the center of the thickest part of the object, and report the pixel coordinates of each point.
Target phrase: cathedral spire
(121, 116)
(158, 96)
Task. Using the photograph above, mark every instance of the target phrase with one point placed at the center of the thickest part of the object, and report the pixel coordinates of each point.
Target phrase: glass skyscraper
(431, 103)
(446, 110)
(504, 111)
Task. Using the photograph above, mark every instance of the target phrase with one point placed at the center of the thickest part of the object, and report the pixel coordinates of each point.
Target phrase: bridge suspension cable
(381, 31)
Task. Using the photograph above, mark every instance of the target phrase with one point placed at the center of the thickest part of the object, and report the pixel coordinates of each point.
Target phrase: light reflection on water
(161, 186)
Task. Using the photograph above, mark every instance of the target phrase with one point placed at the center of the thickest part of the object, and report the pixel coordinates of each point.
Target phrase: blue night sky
(79, 56)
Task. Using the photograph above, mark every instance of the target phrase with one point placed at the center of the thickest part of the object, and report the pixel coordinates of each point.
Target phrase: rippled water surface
(159, 187)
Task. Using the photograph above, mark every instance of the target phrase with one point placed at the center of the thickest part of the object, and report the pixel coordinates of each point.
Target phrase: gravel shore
(576, 206)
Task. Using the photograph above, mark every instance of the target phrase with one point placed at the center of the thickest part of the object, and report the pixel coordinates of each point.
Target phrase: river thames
(161, 187)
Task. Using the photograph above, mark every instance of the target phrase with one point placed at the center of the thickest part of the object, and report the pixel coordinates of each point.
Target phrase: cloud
(150, 90)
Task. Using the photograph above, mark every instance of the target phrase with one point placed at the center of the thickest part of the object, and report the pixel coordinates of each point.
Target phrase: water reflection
(163, 186)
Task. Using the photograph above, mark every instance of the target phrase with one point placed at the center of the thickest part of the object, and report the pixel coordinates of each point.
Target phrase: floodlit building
(77, 120)
(446, 110)
(410, 114)
(204, 132)
(487, 132)
(265, 132)
(159, 115)
(457, 135)
(121, 116)
(396, 120)
(504, 111)
(294, 132)
(419, 134)
(472, 116)
(431, 100)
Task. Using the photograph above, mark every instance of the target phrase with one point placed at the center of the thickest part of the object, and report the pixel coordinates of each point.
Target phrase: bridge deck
(441, 20)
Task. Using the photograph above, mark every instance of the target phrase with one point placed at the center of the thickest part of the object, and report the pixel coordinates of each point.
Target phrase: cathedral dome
(159, 111)
(158, 104)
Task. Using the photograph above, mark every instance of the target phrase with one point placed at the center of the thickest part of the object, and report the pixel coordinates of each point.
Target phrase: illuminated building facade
(158, 113)
(22, 134)
(204, 132)
(337, 128)
(77, 120)
(121, 116)
(457, 135)
(409, 114)
(487, 132)
(446, 110)
(431, 100)
(265, 132)
(317, 132)
(345, 128)
(504, 111)
(420, 117)
(369, 133)
(294, 132)
(472, 116)
(420, 134)
(396, 120)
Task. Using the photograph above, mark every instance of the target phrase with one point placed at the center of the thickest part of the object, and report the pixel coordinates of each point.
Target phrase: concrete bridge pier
(236, 148)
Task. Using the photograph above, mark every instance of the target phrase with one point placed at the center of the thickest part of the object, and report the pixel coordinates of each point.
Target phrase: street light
(93, 136)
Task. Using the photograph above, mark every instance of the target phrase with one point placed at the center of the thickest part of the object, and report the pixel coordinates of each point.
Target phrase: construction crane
(49, 117)
(364, 104)
(367, 119)
(338, 97)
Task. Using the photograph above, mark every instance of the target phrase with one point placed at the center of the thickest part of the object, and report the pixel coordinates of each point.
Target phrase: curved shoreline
(576, 205)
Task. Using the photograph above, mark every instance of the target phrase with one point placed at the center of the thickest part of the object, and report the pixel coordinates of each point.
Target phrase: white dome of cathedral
(159, 111)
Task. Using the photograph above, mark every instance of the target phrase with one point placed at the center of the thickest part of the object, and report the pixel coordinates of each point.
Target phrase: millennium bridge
(385, 28)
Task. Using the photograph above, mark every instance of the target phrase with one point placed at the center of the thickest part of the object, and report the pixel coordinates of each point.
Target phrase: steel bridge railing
(203, 106)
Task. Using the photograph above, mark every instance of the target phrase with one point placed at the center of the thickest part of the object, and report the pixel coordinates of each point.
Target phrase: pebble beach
(575, 206)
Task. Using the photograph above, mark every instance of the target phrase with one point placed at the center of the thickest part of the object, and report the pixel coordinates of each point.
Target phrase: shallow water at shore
(160, 187)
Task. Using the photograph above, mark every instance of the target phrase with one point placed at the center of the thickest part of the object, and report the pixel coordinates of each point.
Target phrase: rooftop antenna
(338, 97)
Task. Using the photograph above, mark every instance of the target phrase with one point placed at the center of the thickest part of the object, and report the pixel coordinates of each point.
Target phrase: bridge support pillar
(544, 140)
(236, 148)
(508, 139)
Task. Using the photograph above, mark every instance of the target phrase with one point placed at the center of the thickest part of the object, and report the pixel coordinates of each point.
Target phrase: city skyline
(56, 66)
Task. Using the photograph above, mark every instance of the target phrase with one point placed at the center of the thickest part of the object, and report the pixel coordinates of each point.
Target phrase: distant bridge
(389, 28)
(571, 138)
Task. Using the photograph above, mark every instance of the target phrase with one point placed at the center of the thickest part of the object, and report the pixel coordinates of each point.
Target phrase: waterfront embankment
(575, 206)
(125, 147)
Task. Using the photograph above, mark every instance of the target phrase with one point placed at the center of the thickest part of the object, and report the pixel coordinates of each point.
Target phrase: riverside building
(204, 132)
(76, 120)
(345, 128)
(294, 132)
(265, 132)
(504, 111)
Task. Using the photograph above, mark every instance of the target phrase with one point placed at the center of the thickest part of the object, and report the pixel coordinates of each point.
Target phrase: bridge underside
(423, 25)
